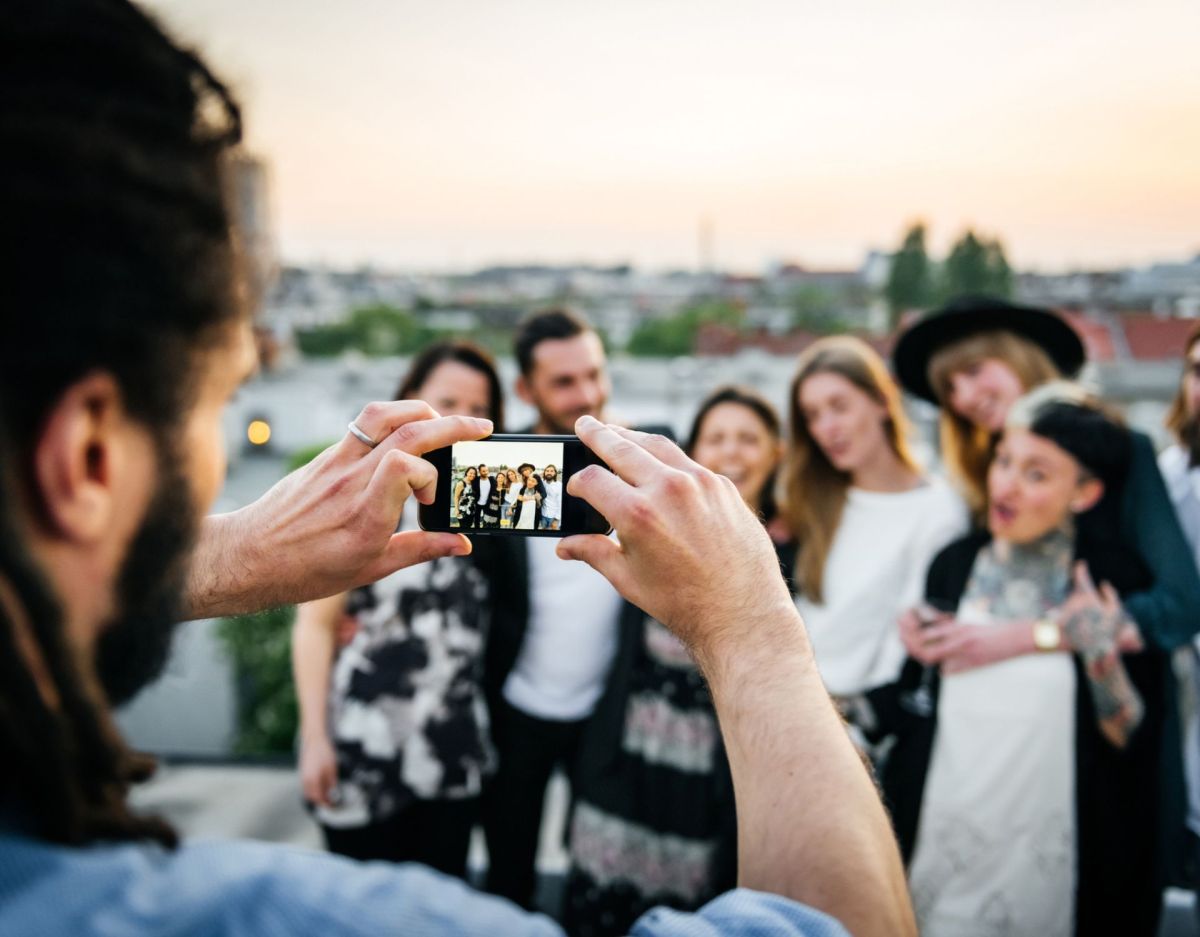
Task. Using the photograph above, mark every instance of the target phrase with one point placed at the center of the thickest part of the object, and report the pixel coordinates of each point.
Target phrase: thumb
(1083, 578)
(410, 547)
(599, 552)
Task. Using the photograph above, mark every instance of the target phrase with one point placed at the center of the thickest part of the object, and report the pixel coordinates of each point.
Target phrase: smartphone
(530, 501)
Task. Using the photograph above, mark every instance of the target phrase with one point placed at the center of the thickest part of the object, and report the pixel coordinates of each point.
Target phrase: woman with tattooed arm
(1025, 794)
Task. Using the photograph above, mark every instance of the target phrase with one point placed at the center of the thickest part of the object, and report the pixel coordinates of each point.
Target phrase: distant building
(252, 209)
(1167, 288)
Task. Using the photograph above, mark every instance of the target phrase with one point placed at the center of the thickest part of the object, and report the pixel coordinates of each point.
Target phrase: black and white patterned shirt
(407, 714)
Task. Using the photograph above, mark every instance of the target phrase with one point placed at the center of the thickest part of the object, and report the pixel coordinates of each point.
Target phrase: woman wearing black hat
(974, 358)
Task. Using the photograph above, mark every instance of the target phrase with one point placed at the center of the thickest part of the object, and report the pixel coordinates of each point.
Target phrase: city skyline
(470, 134)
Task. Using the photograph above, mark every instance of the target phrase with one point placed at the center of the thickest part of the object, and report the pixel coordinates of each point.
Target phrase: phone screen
(513, 485)
(529, 493)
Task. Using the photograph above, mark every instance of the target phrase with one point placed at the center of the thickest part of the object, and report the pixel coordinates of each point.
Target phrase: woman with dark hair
(1026, 794)
(497, 500)
(466, 498)
(867, 519)
(529, 504)
(394, 743)
(653, 821)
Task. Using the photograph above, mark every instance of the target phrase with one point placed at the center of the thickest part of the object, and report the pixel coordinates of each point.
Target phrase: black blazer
(504, 562)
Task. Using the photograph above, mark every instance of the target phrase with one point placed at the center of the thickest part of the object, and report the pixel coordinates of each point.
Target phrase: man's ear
(1087, 494)
(522, 389)
(82, 442)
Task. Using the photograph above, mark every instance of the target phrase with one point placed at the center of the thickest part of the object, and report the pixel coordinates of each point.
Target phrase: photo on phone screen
(526, 476)
(511, 485)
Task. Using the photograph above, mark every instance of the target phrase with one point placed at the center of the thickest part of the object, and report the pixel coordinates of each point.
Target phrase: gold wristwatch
(1047, 634)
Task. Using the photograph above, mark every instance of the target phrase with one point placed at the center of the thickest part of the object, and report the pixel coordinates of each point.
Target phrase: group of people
(995, 641)
(996, 636)
(502, 497)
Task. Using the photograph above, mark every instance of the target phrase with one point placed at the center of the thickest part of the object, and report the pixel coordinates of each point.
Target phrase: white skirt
(995, 850)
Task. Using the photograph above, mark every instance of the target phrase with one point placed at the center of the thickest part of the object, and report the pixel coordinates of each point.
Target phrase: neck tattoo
(1012, 580)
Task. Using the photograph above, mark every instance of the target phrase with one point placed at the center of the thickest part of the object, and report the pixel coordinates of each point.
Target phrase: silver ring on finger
(362, 437)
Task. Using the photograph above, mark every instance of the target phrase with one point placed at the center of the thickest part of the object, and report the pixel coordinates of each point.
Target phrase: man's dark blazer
(504, 562)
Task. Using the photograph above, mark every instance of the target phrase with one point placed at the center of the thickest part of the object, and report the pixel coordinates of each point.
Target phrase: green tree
(1000, 277)
(966, 267)
(817, 310)
(384, 330)
(976, 266)
(259, 647)
(676, 335)
(377, 330)
(324, 341)
(910, 280)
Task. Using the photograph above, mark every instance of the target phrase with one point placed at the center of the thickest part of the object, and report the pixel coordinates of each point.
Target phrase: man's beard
(564, 424)
(134, 647)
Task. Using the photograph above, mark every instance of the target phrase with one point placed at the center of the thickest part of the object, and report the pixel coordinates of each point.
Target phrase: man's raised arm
(810, 823)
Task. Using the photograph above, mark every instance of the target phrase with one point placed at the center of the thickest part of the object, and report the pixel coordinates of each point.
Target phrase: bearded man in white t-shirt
(485, 491)
(554, 623)
(552, 506)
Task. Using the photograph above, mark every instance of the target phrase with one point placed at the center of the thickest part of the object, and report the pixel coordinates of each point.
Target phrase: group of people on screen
(996, 629)
(497, 496)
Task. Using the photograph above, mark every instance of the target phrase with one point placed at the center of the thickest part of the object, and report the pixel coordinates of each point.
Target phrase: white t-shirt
(875, 570)
(570, 640)
(485, 489)
(1183, 485)
(552, 506)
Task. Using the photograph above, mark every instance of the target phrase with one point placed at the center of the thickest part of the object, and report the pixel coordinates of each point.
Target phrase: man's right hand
(810, 823)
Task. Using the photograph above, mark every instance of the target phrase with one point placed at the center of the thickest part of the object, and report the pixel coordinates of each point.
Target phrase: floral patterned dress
(407, 713)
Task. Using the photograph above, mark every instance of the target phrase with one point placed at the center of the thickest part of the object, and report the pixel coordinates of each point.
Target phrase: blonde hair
(814, 490)
(966, 447)
(1177, 417)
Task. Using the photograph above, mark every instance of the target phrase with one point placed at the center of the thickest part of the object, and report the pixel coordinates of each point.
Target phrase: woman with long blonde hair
(866, 518)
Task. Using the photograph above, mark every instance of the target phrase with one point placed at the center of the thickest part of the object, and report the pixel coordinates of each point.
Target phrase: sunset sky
(452, 134)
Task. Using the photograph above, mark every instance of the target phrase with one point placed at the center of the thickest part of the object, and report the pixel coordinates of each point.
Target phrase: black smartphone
(512, 484)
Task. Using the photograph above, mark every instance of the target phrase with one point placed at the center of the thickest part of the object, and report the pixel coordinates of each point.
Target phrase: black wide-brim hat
(970, 315)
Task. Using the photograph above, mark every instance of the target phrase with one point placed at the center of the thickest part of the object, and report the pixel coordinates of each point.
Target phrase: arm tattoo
(1119, 708)
(1090, 630)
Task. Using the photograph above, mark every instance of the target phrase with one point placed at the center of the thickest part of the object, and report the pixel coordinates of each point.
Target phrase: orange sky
(418, 135)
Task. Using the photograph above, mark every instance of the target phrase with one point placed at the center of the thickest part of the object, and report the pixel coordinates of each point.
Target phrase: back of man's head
(118, 253)
(542, 326)
(117, 260)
